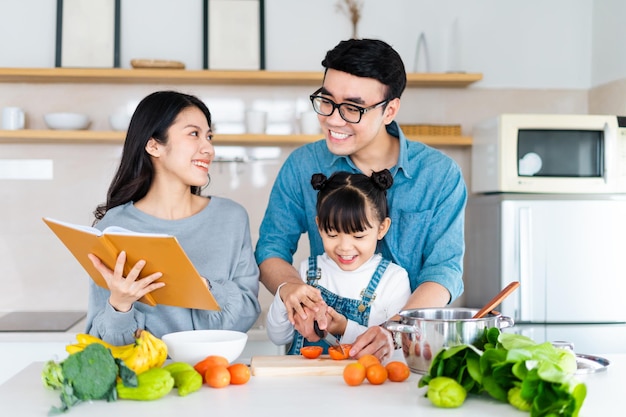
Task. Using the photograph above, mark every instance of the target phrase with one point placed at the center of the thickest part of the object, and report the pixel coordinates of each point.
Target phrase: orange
(217, 376)
(354, 374)
(239, 373)
(311, 352)
(368, 360)
(376, 374)
(335, 353)
(397, 371)
(210, 360)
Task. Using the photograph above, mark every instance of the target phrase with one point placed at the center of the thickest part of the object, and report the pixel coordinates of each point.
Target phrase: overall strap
(313, 273)
(369, 294)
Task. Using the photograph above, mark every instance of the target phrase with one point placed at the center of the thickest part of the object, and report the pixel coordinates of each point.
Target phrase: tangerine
(217, 376)
(397, 371)
(311, 352)
(211, 360)
(239, 373)
(354, 374)
(336, 353)
(368, 360)
(376, 374)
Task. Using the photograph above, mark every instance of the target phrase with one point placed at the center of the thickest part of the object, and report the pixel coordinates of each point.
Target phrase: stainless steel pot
(425, 331)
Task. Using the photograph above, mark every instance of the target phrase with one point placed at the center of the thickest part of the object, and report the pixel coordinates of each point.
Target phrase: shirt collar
(394, 130)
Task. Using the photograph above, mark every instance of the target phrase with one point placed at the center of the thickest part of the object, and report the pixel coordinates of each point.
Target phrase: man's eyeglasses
(348, 112)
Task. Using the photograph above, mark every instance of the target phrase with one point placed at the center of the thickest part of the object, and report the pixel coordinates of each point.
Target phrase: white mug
(256, 121)
(12, 118)
(309, 123)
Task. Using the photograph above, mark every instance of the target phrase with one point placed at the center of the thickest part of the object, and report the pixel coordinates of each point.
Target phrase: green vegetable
(514, 397)
(52, 375)
(187, 382)
(186, 378)
(446, 392)
(151, 385)
(86, 375)
(513, 368)
(175, 367)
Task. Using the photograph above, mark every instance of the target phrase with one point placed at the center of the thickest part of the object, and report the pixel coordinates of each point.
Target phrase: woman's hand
(126, 290)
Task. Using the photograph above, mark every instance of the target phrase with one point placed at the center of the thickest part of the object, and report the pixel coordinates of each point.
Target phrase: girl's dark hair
(369, 58)
(344, 198)
(152, 118)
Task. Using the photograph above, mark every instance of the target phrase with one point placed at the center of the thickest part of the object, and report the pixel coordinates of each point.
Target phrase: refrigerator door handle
(525, 263)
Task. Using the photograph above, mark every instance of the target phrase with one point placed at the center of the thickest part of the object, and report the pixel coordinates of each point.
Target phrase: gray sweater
(217, 241)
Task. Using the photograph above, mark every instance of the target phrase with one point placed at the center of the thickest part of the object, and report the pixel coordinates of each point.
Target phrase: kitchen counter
(19, 349)
(304, 396)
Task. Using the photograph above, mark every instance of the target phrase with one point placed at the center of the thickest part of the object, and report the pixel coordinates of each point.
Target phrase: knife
(327, 336)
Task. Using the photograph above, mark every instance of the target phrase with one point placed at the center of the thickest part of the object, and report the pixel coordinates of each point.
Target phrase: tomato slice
(311, 352)
(335, 353)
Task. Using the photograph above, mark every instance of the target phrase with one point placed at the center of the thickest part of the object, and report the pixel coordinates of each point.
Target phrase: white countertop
(303, 396)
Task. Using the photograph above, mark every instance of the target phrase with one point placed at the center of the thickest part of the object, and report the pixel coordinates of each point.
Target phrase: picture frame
(88, 34)
(234, 34)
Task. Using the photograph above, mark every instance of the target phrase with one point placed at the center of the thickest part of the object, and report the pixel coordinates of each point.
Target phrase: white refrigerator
(567, 251)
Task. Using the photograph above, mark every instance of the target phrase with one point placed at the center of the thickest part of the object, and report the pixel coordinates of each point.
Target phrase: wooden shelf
(175, 76)
(113, 137)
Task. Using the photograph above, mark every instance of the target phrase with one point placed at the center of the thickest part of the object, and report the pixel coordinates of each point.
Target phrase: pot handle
(504, 322)
(395, 326)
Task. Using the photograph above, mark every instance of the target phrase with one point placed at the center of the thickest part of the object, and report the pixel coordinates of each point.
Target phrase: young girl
(360, 287)
(164, 166)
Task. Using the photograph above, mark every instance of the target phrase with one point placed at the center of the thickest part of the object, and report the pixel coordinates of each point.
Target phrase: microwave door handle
(608, 150)
(525, 263)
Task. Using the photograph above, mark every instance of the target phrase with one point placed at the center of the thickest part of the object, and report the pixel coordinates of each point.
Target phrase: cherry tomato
(311, 352)
(335, 353)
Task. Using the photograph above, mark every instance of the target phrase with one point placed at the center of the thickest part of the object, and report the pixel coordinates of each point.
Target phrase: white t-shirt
(392, 293)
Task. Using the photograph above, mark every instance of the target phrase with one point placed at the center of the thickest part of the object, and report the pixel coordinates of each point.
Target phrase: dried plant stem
(352, 9)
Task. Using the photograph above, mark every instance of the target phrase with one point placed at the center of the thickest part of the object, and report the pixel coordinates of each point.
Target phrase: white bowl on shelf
(120, 121)
(66, 121)
(192, 346)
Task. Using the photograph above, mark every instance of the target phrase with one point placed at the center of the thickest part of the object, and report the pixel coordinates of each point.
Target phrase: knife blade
(327, 336)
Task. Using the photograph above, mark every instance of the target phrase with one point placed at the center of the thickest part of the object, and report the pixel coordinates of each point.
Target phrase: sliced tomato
(335, 353)
(311, 352)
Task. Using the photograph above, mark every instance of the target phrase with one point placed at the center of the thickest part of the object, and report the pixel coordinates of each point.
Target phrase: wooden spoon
(495, 301)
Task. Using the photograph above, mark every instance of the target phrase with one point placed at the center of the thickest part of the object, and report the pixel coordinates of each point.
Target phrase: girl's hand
(126, 290)
(300, 300)
(337, 323)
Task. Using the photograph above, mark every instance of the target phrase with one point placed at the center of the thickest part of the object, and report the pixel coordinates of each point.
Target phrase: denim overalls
(355, 310)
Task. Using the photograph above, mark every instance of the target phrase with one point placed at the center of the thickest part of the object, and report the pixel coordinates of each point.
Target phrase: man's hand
(376, 341)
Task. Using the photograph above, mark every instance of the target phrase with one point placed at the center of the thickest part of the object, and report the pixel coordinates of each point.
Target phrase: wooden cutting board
(290, 365)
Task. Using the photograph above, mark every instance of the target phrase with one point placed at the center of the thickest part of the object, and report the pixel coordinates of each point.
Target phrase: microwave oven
(550, 153)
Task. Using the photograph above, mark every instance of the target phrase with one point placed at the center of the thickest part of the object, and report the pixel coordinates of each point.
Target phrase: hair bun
(382, 179)
(318, 181)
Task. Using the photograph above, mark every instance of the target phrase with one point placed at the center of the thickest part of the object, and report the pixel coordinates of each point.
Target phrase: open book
(184, 287)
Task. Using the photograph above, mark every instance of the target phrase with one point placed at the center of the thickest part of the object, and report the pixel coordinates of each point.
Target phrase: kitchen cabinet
(204, 77)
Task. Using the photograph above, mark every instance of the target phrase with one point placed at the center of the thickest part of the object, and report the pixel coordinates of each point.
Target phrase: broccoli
(90, 374)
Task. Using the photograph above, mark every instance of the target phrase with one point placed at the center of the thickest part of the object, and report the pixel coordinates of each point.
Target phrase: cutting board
(290, 365)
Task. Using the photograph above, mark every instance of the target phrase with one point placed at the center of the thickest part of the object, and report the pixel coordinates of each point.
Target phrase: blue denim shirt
(426, 202)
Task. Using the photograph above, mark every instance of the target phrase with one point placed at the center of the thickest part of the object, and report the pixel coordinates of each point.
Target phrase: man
(356, 106)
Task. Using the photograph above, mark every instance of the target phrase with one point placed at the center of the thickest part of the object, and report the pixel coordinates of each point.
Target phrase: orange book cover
(184, 287)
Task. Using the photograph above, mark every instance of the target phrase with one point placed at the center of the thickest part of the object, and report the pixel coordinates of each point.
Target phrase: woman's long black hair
(152, 118)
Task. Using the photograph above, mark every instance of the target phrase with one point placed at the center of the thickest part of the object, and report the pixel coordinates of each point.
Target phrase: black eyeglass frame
(362, 110)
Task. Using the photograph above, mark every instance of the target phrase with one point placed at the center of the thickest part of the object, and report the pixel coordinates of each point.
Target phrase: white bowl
(66, 121)
(194, 345)
(120, 121)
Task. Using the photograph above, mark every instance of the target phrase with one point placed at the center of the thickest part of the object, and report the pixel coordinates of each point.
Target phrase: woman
(157, 189)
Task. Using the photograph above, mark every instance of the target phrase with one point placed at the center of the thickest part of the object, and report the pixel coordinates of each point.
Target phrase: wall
(531, 44)
(550, 68)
